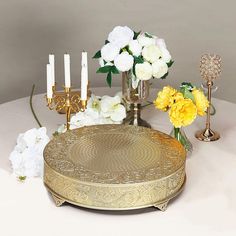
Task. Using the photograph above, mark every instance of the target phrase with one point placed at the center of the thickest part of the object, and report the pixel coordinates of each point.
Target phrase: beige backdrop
(30, 30)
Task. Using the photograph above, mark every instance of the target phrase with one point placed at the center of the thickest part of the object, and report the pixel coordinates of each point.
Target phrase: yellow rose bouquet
(183, 106)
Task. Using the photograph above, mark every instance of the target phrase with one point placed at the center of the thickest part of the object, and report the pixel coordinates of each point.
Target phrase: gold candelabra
(210, 69)
(67, 101)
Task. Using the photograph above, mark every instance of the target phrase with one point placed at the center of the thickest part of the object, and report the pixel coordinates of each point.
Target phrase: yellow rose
(200, 101)
(164, 98)
(183, 113)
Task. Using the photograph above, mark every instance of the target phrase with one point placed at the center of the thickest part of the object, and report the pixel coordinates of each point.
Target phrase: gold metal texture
(210, 70)
(114, 167)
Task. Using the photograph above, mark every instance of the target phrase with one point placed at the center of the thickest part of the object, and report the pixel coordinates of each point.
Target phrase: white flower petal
(124, 62)
(165, 55)
(151, 53)
(146, 41)
(135, 47)
(160, 43)
(121, 36)
(143, 71)
(61, 129)
(109, 51)
(119, 113)
(159, 68)
(28, 161)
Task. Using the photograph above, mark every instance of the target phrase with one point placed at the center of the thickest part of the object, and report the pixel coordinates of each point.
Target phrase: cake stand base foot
(161, 206)
(58, 201)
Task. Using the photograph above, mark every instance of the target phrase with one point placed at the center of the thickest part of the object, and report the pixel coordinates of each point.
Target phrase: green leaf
(187, 93)
(138, 59)
(109, 78)
(165, 75)
(22, 178)
(106, 41)
(104, 69)
(114, 70)
(136, 34)
(170, 63)
(97, 54)
(148, 35)
(56, 133)
(133, 69)
(187, 85)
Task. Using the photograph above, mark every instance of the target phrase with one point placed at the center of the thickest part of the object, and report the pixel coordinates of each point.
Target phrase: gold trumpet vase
(134, 95)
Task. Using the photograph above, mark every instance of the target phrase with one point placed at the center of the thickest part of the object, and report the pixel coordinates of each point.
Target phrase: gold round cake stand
(114, 167)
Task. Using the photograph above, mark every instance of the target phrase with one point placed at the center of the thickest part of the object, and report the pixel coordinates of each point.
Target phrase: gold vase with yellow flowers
(183, 106)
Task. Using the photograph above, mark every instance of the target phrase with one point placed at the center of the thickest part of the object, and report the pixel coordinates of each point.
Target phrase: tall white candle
(49, 81)
(52, 63)
(84, 76)
(67, 70)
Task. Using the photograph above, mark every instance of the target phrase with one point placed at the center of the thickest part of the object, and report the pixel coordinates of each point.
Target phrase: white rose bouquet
(143, 54)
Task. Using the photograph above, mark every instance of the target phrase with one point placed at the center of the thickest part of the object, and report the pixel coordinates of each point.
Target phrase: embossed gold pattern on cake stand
(114, 167)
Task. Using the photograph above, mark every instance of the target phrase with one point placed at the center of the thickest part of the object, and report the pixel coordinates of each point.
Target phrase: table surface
(207, 206)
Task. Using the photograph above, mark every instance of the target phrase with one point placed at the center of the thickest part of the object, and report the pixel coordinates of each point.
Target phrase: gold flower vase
(134, 96)
(180, 135)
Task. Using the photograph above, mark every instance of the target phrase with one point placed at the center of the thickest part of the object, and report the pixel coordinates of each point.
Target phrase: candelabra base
(207, 135)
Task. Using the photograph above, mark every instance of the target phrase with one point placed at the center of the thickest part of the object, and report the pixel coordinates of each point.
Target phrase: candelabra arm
(68, 107)
(50, 103)
(83, 105)
(68, 112)
(67, 101)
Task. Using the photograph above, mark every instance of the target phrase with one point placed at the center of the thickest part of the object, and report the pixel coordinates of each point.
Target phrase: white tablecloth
(206, 207)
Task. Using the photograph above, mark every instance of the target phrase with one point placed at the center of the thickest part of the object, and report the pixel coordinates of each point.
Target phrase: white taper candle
(67, 70)
(84, 76)
(52, 63)
(49, 81)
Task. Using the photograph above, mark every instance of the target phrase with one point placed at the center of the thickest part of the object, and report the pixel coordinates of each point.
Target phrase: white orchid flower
(27, 156)
(94, 103)
(111, 107)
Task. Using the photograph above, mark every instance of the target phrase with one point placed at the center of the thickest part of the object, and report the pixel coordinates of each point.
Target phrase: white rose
(145, 41)
(161, 43)
(135, 47)
(151, 53)
(121, 36)
(109, 51)
(159, 68)
(124, 61)
(165, 55)
(143, 71)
